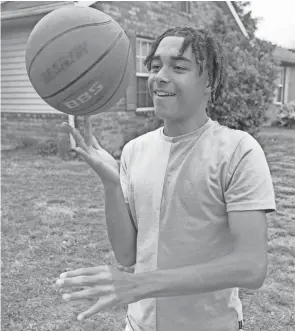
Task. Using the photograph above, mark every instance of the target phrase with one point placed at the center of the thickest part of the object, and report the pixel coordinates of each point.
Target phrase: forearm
(120, 227)
(226, 272)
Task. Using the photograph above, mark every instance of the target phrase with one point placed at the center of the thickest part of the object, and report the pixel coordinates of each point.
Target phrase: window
(280, 91)
(184, 7)
(144, 101)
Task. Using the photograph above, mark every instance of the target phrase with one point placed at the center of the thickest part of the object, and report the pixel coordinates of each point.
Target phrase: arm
(121, 230)
(245, 266)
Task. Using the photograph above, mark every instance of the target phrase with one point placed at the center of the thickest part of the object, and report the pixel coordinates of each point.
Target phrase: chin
(164, 113)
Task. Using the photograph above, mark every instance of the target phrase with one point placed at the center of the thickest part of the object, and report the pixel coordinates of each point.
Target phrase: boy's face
(178, 76)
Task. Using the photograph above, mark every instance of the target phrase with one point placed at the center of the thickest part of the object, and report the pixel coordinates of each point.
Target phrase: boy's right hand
(94, 155)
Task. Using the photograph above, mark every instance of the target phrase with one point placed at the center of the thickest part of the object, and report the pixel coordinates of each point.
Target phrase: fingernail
(60, 282)
(66, 297)
(63, 275)
(80, 318)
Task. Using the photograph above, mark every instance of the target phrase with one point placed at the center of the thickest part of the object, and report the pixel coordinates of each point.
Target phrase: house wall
(141, 18)
(152, 18)
(110, 129)
(17, 92)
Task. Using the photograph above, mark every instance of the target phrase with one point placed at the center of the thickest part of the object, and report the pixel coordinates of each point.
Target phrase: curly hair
(204, 44)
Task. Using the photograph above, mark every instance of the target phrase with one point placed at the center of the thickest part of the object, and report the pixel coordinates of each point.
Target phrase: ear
(208, 88)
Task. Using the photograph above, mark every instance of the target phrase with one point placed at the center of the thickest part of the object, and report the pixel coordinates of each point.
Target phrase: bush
(49, 147)
(286, 115)
(252, 73)
(59, 147)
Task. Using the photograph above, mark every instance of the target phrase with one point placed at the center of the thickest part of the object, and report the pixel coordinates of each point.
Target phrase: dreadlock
(204, 44)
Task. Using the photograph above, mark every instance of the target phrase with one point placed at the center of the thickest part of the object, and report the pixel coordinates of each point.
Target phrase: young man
(196, 196)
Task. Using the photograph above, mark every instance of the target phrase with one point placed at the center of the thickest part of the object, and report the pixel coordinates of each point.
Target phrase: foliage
(286, 115)
(46, 148)
(252, 73)
(246, 17)
(59, 147)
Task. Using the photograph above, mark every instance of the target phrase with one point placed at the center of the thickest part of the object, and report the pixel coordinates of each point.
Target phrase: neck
(174, 128)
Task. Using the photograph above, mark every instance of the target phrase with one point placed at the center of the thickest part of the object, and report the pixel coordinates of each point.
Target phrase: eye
(179, 68)
(155, 67)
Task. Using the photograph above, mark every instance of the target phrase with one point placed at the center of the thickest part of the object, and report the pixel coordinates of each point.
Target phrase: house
(285, 91)
(286, 80)
(24, 112)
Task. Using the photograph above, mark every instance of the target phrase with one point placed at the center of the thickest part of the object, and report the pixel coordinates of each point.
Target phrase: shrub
(286, 115)
(252, 73)
(49, 147)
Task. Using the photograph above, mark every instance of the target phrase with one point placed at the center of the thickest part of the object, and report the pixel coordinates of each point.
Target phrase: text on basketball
(85, 96)
(64, 62)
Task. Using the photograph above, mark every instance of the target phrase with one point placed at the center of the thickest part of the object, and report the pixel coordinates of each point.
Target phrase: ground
(53, 220)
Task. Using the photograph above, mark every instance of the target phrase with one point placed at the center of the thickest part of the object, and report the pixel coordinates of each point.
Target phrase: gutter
(85, 3)
(27, 12)
(42, 9)
(237, 19)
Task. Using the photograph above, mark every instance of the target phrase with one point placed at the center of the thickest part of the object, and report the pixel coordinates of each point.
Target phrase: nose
(162, 76)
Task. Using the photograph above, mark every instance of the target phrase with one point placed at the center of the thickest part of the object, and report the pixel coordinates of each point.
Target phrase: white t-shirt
(179, 190)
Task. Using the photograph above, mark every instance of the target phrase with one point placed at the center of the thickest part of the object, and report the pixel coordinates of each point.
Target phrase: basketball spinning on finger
(79, 60)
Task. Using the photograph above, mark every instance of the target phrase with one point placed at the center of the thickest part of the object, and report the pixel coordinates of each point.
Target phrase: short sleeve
(248, 183)
(124, 177)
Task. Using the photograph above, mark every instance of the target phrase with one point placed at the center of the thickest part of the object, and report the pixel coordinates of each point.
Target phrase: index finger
(83, 271)
(88, 130)
(104, 302)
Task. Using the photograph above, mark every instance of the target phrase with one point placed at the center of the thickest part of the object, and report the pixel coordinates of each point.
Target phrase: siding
(17, 92)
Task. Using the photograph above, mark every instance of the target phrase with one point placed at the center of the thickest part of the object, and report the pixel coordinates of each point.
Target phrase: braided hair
(204, 44)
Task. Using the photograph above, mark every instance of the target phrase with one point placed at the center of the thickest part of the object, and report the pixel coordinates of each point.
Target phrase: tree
(252, 73)
(245, 15)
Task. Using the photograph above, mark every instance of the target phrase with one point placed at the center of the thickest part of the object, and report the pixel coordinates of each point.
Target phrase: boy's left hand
(110, 285)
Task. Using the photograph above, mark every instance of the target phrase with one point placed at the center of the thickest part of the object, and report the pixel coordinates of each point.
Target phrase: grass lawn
(53, 220)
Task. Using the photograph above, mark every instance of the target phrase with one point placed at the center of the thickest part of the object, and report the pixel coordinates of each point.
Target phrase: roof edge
(237, 19)
(26, 12)
(42, 9)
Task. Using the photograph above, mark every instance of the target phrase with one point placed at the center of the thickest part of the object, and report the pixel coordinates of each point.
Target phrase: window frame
(141, 74)
(281, 85)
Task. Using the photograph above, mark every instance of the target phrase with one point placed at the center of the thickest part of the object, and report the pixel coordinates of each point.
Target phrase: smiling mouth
(164, 94)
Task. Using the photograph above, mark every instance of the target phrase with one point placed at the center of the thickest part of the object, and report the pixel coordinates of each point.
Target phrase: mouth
(163, 94)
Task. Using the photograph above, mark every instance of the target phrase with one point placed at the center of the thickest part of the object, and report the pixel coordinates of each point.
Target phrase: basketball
(79, 60)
